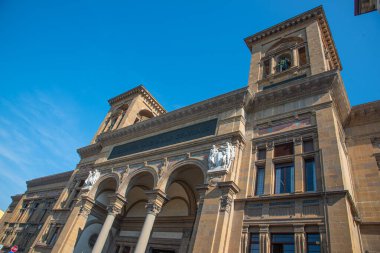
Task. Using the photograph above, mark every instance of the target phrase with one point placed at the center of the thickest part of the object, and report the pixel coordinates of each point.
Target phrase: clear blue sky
(61, 60)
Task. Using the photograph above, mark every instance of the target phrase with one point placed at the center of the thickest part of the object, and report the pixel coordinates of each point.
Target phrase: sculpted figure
(230, 154)
(92, 178)
(212, 158)
(222, 157)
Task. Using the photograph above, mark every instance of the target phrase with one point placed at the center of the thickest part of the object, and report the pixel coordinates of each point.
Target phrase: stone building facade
(27, 213)
(284, 164)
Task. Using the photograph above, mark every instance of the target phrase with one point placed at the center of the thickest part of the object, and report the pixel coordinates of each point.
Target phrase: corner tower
(298, 47)
(129, 108)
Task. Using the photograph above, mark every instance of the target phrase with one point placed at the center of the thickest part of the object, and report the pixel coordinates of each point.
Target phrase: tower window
(267, 68)
(302, 56)
(283, 62)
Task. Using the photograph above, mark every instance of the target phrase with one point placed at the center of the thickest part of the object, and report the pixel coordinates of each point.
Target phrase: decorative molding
(142, 91)
(90, 150)
(156, 200)
(184, 115)
(228, 189)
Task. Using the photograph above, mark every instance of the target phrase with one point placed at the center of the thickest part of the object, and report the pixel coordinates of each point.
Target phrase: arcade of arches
(139, 205)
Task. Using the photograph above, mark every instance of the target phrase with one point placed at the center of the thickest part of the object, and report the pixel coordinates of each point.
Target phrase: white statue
(221, 158)
(93, 176)
(212, 158)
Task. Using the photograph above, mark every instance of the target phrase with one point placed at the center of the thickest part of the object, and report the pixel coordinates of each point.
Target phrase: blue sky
(60, 61)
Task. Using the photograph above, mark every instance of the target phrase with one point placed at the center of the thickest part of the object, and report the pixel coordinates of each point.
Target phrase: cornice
(306, 86)
(142, 91)
(56, 178)
(184, 115)
(364, 114)
(313, 14)
(90, 150)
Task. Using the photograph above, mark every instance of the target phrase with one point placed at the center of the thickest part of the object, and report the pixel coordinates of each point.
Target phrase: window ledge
(292, 70)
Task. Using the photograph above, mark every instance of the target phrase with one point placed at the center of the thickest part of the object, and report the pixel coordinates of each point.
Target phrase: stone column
(156, 199)
(273, 66)
(299, 239)
(264, 239)
(244, 239)
(201, 189)
(115, 207)
(268, 169)
(294, 57)
(298, 165)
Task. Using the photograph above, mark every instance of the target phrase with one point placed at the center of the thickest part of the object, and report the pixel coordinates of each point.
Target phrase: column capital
(156, 200)
(299, 228)
(264, 228)
(86, 206)
(228, 189)
(297, 140)
(116, 205)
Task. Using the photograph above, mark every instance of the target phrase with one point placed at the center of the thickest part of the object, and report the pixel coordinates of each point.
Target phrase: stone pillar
(228, 191)
(156, 199)
(202, 189)
(74, 224)
(268, 169)
(115, 207)
(273, 66)
(264, 239)
(244, 239)
(299, 239)
(294, 57)
(298, 165)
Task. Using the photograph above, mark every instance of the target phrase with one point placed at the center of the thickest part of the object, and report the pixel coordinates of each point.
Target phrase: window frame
(287, 165)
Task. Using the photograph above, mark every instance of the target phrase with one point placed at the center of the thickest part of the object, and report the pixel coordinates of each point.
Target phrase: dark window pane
(260, 180)
(254, 245)
(302, 56)
(283, 243)
(310, 177)
(284, 178)
(313, 243)
(308, 146)
(261, 154)
(284, 149)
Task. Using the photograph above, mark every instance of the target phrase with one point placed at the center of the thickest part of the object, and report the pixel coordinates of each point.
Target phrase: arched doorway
(88, 237)
(174, 225)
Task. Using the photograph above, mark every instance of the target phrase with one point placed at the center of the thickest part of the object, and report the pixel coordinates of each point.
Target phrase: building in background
(27, 213)
(1, 214)
(284, 164)
(365, 6)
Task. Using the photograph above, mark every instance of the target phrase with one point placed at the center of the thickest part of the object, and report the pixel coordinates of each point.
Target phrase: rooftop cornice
(364, 113)
(142, 91)
(56, 178)
(317, 14)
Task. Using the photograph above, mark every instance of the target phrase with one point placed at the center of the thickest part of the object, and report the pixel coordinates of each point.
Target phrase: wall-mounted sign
(188, 133)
